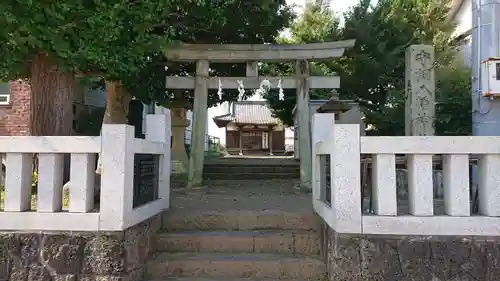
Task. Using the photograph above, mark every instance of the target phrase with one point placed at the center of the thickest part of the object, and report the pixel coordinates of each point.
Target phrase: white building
(461, 14)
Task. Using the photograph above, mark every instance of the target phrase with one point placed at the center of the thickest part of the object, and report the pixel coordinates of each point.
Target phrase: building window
(4, 92)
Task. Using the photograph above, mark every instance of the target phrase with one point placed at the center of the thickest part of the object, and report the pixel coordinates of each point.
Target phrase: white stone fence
(115, 210)
(343, 146)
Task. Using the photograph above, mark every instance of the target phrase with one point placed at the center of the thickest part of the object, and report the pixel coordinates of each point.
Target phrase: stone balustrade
(340, 204)
(50, 208)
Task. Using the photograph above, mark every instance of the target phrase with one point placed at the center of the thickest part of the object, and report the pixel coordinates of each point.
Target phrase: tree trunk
(117, 106)
(117, 103)
(51, 112)
(51, 98)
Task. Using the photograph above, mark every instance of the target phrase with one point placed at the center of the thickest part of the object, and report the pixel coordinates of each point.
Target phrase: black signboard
(325, 181)
(146, 176)
(328, 182)
(136, 116)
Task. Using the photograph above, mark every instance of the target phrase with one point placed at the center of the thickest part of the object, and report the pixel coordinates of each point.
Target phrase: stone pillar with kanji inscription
(180, 159)
(420, 91)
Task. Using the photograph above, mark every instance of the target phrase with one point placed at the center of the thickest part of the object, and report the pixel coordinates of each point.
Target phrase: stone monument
(420, 91)
(180, 159)
(420, 104)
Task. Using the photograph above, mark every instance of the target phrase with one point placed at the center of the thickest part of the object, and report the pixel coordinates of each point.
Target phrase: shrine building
(251, 129)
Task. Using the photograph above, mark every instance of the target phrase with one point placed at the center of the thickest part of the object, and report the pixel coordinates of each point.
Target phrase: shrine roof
(248, 113)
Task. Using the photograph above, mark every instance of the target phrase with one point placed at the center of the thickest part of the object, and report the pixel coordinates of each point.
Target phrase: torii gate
(203, 54)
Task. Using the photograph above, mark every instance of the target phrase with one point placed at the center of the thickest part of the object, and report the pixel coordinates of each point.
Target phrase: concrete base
(179, 167)
(112, 256)
(192, 191)
(303, 189)
(423, 258)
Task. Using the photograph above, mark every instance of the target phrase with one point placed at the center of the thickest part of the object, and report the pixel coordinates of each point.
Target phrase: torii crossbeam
(203, 54)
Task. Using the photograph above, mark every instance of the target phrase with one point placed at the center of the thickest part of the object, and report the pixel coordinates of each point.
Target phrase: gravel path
(243, 195)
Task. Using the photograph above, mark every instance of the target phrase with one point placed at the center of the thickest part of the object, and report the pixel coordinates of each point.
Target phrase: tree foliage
(316, 23)
(106, 37)
(373, 71)
(453, 101)
(239, 22)
(49, 42)
(120, 41)
(453, 105)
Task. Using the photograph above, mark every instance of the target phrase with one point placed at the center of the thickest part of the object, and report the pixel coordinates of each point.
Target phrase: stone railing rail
(117, 146)
(342, 211)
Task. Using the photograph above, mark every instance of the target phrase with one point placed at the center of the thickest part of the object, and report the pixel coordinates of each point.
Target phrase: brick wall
(14, 118)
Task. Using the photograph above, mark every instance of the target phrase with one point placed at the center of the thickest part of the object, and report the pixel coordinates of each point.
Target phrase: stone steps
(236, 244)
(251, 169)
(259, 266)
(242, 220)
(216, 279)
(249, 175)
(274, 242)
(213, 279)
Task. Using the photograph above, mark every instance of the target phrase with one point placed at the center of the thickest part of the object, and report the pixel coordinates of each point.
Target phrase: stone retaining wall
(86, 256)
(398, 258)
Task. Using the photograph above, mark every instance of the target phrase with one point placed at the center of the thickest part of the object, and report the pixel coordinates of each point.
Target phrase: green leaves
(373, 72)
(210, 22)
(125, 39)
(88, 36)
(316, 24)
(453, 96)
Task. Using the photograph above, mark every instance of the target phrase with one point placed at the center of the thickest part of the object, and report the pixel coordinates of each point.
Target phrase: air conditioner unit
(4, 98)
(490, 76)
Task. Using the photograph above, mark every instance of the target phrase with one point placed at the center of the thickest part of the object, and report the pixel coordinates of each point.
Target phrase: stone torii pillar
(240, 53)
(200, 110)
(305, 150)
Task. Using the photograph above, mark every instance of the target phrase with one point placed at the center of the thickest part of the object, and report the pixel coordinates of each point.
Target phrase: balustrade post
(345, 174)
(18, 182)
(489, 193)
(117, 175)
(323, 125)
(456, 185)
(384, 189)
(162, 133)
(420, 185)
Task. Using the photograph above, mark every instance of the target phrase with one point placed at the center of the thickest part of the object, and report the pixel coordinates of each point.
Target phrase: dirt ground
(243, 195)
